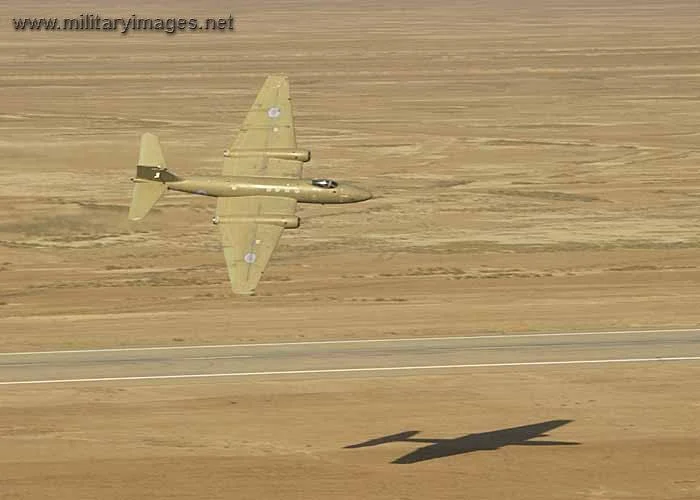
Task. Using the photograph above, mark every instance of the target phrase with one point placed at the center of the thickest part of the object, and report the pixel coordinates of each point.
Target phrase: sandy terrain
(536, 169)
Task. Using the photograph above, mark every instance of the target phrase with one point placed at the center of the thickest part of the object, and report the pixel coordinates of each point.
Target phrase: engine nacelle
(302, 155)
(287, 222)
(291, 222)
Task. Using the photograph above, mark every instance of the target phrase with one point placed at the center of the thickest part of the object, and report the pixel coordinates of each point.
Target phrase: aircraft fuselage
(301, 190)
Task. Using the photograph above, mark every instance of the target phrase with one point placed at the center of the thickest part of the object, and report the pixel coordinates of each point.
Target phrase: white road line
(212, 357)
(349, 341)
(350, 370)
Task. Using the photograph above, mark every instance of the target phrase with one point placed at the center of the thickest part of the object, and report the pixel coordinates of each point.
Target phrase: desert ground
(535, 167)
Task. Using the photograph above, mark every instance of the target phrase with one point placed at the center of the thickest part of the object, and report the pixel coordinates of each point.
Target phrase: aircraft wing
(250, 231)
(267, 129)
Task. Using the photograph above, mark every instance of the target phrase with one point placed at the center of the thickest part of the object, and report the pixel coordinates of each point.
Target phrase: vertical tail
(151, 177)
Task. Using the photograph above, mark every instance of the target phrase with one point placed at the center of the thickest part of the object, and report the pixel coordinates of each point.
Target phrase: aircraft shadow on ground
(491, 440)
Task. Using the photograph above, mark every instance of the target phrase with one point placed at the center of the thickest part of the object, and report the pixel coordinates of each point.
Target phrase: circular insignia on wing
(273, 112)
(249, 258)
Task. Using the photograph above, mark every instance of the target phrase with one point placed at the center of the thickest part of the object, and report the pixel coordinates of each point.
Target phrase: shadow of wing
(430, 452)
(525, 432)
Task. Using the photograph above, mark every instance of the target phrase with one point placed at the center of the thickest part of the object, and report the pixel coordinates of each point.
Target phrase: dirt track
(537, 170)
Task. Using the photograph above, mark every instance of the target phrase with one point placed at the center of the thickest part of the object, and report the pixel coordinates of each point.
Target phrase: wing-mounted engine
(284, 221)
(302, 155)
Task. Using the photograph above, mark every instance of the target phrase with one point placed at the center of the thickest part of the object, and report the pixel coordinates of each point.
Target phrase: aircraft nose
(353, 194)
(363, 194)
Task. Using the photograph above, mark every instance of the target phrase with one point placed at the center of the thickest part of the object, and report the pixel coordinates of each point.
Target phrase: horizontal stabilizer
(150, 154)
(146, 194)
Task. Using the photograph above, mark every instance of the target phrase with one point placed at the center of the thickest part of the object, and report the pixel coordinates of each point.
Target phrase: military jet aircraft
(491, 440)
(259, 187)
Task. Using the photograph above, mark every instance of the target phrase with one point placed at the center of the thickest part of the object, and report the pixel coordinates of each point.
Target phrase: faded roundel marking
(273, 112)
(249, 257)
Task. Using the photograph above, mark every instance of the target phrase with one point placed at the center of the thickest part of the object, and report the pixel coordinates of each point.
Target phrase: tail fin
(151, 177)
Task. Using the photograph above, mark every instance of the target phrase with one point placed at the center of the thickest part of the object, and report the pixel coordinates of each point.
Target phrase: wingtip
(277, 79)
(148, 135)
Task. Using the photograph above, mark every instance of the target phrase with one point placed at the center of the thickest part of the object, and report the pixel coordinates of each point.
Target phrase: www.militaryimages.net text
(123, 25)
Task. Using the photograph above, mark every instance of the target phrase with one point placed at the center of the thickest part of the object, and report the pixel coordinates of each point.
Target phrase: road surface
(333, 357)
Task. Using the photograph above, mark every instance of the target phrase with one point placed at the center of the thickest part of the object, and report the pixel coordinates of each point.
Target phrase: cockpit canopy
(324, 183)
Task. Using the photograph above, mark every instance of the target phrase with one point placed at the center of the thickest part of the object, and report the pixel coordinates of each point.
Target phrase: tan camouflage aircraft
(258, 190)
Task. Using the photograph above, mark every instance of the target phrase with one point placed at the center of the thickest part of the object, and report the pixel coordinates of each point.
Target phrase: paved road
(328, 358)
